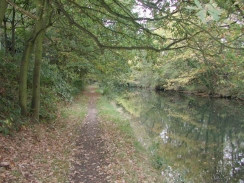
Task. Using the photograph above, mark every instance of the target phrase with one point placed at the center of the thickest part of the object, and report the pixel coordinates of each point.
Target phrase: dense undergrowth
(56, 86)
(10, 111)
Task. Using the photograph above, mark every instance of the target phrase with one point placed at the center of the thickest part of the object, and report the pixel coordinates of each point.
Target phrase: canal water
(190, 138)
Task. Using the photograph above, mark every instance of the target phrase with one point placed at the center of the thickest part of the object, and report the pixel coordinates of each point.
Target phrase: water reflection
(193, 139)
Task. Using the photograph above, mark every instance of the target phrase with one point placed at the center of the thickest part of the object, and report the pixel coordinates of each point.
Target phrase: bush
(10, 117)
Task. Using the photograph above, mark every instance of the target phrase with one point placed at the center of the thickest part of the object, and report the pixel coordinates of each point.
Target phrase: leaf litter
(41, 152)
(75, 148)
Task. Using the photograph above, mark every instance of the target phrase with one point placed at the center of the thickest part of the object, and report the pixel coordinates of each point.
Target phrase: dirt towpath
(90, 155)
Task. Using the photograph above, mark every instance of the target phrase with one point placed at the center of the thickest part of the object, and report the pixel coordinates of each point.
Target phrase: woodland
(49, 49)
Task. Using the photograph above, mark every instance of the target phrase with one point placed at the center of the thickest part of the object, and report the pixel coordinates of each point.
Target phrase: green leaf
(202, 15)
(214, 12)
(198, 4)
(192, 8)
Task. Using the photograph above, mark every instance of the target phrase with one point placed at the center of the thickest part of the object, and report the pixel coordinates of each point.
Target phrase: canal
(189, 138)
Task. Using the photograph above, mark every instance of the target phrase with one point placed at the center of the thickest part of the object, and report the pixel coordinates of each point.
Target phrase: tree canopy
(74, 39)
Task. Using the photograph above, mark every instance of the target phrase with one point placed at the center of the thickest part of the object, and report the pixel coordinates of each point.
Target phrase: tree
(3, 8)
(114, 25)
(29, 46)
(44, 11)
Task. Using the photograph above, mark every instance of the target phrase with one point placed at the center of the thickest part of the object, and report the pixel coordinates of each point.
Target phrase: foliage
(87, 41)
(10, 111)
(205, 68)
(210, 8)
(51, 76)
(56, 86)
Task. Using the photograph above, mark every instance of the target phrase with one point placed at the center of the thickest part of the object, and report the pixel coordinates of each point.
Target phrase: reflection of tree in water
(200, 135)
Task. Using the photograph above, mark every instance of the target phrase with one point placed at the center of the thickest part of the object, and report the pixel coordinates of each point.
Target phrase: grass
(108, 112)
(76, 110)
(128, 159)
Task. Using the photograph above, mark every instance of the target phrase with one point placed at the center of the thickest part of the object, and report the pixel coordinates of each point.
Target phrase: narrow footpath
(90, 155)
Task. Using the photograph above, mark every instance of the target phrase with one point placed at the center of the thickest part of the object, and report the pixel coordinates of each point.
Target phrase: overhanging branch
(103, 46)
(22, 10)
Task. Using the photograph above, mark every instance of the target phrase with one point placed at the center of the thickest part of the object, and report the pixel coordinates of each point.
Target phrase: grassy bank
(128, 160)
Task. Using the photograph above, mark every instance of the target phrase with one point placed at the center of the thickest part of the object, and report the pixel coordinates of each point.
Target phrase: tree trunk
(5, 39)
(13, 33)
(42, 25)
(23, 77)
(35, 106)
(23, 91)
(3, 8)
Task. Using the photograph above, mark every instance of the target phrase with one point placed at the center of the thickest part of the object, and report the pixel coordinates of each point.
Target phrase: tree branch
(22, 10)
(103, 46)
(216, 39)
